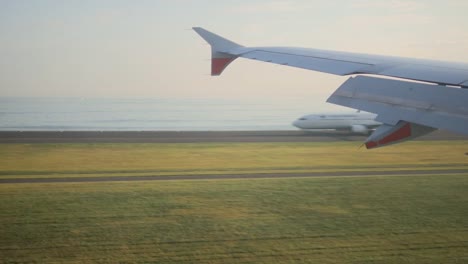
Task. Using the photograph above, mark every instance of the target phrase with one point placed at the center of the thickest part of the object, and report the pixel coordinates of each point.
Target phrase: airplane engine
(361, 129)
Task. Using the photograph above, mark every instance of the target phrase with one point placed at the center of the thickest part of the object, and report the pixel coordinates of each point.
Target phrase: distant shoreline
(193, 136)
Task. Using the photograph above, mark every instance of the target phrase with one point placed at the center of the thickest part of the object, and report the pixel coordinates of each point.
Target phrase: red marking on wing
(219, 64)
(371, 144)
(401, 133)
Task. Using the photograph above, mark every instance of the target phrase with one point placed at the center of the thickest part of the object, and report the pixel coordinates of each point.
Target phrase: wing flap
(394, 100)
(391, 134)
(427, 73)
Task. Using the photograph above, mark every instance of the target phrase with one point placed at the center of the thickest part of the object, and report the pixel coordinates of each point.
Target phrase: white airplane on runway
(358, 122)
(406, 109)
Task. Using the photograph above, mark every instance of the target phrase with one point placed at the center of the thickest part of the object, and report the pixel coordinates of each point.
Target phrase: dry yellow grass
(134, 159)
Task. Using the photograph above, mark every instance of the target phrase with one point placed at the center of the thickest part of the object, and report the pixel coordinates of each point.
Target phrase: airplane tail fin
(220, 50)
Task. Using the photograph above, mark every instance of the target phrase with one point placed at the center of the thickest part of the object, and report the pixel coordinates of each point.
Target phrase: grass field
(373, 219)
(421, 219)
(72, 160)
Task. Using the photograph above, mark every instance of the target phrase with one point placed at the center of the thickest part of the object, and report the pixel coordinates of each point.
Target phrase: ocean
(98, 114)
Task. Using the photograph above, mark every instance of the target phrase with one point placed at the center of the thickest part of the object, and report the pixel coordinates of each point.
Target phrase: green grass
(419, 219)
(72, 160)
(406, 219)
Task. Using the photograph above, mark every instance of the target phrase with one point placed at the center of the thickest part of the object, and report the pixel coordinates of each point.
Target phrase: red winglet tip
(371, 144)
(219, 64)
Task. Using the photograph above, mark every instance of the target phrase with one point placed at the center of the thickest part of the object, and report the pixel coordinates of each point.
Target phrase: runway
(193, 136)
(234, 176)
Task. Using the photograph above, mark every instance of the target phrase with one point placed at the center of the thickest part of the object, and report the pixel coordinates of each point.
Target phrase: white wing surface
(342, 63)
(425, 106)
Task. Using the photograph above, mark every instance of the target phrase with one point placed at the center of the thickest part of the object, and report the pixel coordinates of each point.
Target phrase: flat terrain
(419, 219)
(107, 160)
(285, 201)
(193, 136)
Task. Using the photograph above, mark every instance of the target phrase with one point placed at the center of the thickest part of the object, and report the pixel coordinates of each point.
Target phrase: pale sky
(112, 48)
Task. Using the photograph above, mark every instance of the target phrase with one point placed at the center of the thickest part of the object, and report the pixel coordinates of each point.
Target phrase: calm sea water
(149, 114)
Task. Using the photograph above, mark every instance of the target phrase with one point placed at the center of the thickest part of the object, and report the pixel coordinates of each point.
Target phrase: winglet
(220, 50)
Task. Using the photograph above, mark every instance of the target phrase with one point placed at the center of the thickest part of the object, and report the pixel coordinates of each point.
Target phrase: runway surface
(193, 136)
(234, 176)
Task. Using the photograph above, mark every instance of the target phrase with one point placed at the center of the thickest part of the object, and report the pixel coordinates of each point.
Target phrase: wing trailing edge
(391, 134)
(406, 109)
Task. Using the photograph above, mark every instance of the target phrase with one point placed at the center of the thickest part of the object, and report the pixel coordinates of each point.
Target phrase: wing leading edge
(406, 109)
(338, 62)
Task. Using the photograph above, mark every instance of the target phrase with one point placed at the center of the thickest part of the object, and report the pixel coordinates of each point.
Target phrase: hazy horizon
(146, 49)
(151, 114)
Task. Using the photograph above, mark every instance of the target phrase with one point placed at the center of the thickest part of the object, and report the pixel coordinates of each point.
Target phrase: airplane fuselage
(354, 122)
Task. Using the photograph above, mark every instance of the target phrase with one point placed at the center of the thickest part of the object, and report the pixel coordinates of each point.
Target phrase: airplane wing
(407, 109)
